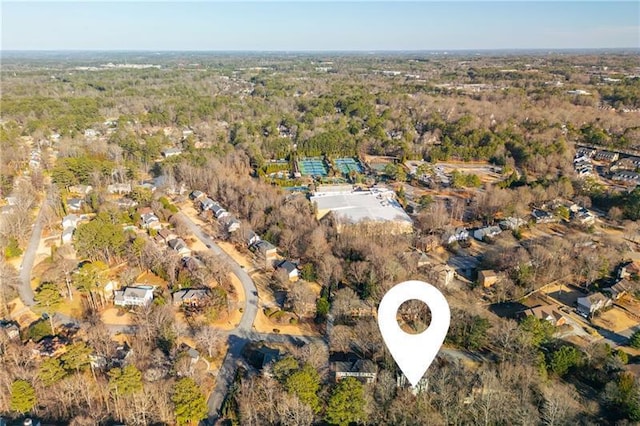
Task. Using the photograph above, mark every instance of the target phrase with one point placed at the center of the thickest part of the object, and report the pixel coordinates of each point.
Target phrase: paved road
(238, 337)
(24, 291)
(250, 291)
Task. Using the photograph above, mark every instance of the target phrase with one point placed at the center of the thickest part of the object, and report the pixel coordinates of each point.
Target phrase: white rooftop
(356, 206)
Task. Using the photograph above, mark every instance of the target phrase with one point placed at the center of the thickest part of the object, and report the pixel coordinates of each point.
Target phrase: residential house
(629, 163)
(607, 156)
(266, 249)
(191, 263)
(422, 260)
(171, 152)
(627, 177)
(258, 355)
(219, 211)
(363, 370)
(588, 305)
(588, 152)
(70, 221)
(511, 223)
(581, 159)
(150, 221)
(125, 203)
(629, 269)
(75, 204)
(192, 353)
(51, 346)
(67, 235)
(487, 278)
(583, 168)
(620, 288)
(81, 189)
(121, 354)
(180, 246)
(144, 210)
(582, 215)
(541, 216)
(206, 204)
(133, 296)
(191, 297)
(10, 328)
(149, 184)
(119, 188)
(230, 223)
(290, 268)
(444, 274)
(233, 225)
(416, 259)
(197, 195)
(547, 313)
(110, 287)
(166, 235)
(249, 237)
(482, 234)
(458, 234)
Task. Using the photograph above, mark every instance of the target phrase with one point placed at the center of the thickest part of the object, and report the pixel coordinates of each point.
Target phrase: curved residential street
(238, 337)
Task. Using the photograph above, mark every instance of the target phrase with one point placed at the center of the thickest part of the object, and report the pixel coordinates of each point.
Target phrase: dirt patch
(263, 324)
(21, 314)
(151, 279)
(580, 341)
(240, 258)
(72, 308)
(236, 302)
(197, 245)
(615, 320)
(563, 294)
(115, 316)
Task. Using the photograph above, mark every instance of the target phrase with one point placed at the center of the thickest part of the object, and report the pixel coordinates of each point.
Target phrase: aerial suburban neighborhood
(206, 237)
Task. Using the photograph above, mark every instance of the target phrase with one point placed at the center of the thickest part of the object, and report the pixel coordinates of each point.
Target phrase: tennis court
(348, 165)
(312, 167)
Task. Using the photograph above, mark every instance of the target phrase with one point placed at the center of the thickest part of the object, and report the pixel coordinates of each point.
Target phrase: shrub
(634, 340)
(12, 249)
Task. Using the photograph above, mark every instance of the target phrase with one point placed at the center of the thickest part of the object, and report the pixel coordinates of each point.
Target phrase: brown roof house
(166, 235)
(619, 289)
(487, 278)
(267, 250)
(547, 313)
(191, 297)
(629, 269)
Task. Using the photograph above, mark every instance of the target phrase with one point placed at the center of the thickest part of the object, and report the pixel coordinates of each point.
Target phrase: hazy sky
(306, 25)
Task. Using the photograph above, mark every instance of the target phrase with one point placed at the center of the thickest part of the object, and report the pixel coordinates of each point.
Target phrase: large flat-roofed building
(355, 206)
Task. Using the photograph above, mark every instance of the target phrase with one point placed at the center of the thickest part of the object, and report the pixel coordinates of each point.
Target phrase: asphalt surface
(238, 337)
(25, 291)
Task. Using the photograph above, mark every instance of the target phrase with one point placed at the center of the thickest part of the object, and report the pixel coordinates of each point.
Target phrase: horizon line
(457, 49)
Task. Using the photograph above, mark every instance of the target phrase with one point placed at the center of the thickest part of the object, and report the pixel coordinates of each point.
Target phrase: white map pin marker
(414, 353)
